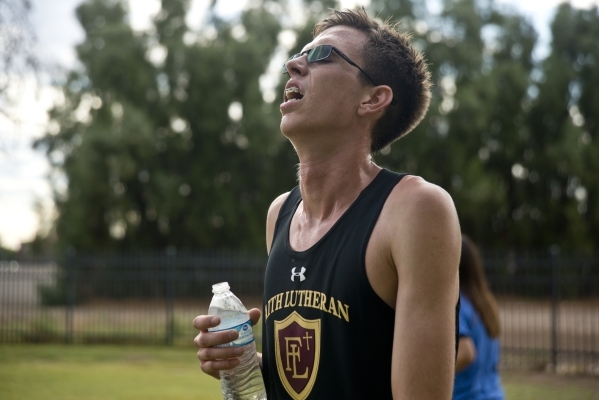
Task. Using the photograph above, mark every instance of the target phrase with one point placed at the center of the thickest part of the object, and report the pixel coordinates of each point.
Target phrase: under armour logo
(300, 274)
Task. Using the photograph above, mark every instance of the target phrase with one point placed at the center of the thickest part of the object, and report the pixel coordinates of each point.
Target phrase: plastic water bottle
(243, 382)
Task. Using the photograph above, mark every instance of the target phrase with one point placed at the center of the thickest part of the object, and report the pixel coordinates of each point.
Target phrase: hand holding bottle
(215, 359)
(240, 372)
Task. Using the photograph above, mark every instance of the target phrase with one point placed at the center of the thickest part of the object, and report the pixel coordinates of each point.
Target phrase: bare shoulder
(422, 219)
(275, 206)
(414, 201)
(414, 193)
(271, 218)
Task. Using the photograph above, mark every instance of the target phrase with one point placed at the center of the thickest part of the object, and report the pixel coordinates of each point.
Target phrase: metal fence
(549, 310)
(549, 304)
(136, 298)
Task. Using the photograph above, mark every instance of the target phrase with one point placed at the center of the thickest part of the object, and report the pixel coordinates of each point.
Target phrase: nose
(297, 66)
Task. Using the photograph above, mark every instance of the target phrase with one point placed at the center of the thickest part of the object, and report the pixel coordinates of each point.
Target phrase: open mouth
(293, 94)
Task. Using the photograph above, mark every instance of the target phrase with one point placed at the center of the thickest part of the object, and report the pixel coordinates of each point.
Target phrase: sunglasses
(323, 52)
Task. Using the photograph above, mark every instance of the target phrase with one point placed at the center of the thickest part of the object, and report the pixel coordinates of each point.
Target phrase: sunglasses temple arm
(355, 65)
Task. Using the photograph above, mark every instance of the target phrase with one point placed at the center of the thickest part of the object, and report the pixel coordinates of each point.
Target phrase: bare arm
(466, 353)
(426, 253)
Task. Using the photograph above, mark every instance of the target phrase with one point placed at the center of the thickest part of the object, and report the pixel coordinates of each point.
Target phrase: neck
(329, 185)
(335, 166)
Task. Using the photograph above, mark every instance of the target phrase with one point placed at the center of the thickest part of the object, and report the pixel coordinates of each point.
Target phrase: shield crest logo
(297, 351)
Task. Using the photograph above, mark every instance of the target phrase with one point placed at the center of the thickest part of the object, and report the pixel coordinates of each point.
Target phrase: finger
(212, 373)
(211, 339)
(214, 367)
(203, 322)
(254, 315)
(219, 353)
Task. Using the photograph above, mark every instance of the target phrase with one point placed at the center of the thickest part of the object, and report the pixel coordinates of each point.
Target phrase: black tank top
(326, 333)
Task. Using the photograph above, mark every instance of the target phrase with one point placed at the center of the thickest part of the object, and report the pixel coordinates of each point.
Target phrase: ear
(375, 100)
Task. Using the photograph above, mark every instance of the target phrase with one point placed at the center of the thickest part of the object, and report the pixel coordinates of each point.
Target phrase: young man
(361, 284)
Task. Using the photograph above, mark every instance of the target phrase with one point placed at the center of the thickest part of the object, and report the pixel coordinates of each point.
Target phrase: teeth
(293, 90)
(289, 96)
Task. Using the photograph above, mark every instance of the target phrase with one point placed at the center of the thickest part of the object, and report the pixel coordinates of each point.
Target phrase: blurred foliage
(513, 140)
(167, 138)
(18, 61)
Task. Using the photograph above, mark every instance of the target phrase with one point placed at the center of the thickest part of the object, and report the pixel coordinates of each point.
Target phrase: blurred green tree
(18, 60)
(169, 137)
(164, 136)
(485, 138)
(563, 136)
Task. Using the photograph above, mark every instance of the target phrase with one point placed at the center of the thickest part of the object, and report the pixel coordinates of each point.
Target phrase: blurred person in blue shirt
(477, 377)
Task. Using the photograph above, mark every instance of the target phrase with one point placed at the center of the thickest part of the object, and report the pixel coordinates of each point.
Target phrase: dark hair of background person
(391, 60)
(473, 284)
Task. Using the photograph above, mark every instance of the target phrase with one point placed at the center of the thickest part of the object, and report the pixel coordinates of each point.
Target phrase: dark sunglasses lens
(316, 54)
(319, 53)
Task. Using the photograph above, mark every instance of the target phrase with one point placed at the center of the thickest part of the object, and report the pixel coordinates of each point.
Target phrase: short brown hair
(391, 60)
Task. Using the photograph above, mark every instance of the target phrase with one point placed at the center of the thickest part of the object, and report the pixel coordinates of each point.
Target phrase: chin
(285, 130)
(287, 124)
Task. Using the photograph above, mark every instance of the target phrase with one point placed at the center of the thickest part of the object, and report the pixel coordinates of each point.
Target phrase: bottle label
(246, 335)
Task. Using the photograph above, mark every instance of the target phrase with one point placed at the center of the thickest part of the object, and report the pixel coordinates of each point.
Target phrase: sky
(24, 187)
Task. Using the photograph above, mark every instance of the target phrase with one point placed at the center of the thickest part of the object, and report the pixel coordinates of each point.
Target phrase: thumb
(254, 315)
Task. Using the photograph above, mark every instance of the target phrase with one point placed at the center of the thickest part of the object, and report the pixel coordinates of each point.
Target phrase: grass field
(52, 372)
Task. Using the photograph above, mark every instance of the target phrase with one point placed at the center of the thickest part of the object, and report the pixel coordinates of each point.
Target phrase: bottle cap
(220, 287)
